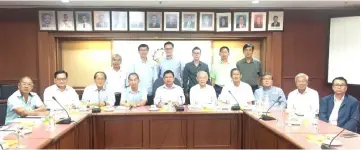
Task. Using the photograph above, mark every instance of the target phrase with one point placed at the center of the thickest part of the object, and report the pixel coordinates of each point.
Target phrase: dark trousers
(117, 99)
(150, 100)
(218, 89)
(187, 97)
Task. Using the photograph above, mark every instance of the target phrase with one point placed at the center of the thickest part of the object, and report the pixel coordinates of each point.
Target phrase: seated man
(169, 92)
(97, 94)
(340, 108)
(270, 91)
(24, 103)
(237, 92)
(303, 100)
(133, 95)
(202, 94)
(63, 93)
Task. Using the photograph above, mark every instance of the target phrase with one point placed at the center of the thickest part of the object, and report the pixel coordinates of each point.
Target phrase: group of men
(148, 83)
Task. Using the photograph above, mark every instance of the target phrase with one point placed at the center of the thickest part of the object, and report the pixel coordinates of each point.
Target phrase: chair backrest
(3, 107)
(6, 90)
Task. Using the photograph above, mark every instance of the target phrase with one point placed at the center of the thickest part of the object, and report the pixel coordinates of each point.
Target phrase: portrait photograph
(206, 21)
(258, 21)
(65, 21)
(275, 20)
(189, 21)
(224, 22)
(119, 20)
(136, 20)
(171, 21)
(101, 20)
(47, 20)
(154, 21)
(83, 21)
(240, 21)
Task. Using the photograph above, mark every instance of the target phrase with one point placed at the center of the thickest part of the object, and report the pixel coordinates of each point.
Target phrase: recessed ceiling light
(255, 1)
(65, 1)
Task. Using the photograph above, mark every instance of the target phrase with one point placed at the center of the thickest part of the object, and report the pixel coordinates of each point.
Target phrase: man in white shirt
(84, 24)
(303, 100)
(237, 92)
(116, 78)
(220, 71)
(202, 94)
(63, 93)
(169, 92)
(97, 94)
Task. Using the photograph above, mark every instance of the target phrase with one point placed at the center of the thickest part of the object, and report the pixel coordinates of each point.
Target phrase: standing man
(134, 96)
(116, 78)
(340, 108)
(147, 71)
(23, 102)
(97, 94)
(221, 70)
(169, 92)
(270, 91)
(63, 93)
(170, 63)
(250, 67)
(303, 100)
(190, 72)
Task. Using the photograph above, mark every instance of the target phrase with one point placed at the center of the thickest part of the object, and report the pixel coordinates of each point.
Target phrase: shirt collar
(58, 89)
(221, 62)
(95, 88)
(335, 99)
(200, 63)
(18, 94)
(245, 61)
(305, 92)
(131, 91)
(165, 87)
(267, 88)
(169, 58)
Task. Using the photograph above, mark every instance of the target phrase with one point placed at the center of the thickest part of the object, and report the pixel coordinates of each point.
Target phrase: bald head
(25, 85)
(202, 78)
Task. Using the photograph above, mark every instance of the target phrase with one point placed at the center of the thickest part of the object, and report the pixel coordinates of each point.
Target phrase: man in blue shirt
(133, 95)
(170, 63)
(270, 91)
(24, 103)
(340, 108)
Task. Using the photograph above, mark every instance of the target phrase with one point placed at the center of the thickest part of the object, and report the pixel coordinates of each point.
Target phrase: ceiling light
(255, 1)
(65, 1)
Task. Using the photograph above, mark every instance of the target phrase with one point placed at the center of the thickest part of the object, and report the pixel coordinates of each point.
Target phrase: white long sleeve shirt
(305, 103)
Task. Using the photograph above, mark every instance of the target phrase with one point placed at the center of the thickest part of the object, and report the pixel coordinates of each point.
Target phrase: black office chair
(3, 108)
(159, 82)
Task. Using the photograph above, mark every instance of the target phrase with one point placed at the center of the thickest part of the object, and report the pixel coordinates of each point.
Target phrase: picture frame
(65, 20)
(206, 21)
(259, 21)
(241, 21)
(189, 21)
(119, 20)
(47, 20)
(275, 20)
(154, 21)
(171, 21)
(101, 20)
(136, 21)
(224, 22)
(84, 21)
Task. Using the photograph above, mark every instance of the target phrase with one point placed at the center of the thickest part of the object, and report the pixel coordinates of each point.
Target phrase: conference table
(200, 129)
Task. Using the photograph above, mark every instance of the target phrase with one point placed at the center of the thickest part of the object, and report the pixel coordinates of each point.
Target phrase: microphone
(328, 146)
(236, 106)
(265, 116)
(66, 120)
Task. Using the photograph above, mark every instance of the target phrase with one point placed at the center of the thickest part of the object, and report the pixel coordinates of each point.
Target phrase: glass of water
(20, 136)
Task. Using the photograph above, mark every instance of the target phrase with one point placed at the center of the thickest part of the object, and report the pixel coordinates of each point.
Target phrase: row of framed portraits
(51, 20)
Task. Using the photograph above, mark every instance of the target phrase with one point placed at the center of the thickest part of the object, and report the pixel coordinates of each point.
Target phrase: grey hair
(202, 73)
(117, 55)
(301, 75)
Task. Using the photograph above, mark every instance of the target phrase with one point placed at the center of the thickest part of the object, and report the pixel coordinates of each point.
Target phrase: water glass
(280, 117)
(20, 136)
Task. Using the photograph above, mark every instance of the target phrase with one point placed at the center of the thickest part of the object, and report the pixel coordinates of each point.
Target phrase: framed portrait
(206, 21)
(154, 21)
(258, 21)
(224, 22)
(101, 20)
(240, 21)
(171, 21)
(189, 21)
(136, 20)
(83, 20)
(65, 20)
(119, 20)
(275, 21)
(47, 20)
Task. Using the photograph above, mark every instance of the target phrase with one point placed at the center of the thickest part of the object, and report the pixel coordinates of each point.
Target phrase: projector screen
(344, 49)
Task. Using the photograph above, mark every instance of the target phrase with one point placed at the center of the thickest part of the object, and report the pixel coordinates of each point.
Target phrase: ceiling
(189, 4)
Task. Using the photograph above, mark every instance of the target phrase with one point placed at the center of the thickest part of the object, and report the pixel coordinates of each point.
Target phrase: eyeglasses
(339, 85)
(26, 84)
(61, 79)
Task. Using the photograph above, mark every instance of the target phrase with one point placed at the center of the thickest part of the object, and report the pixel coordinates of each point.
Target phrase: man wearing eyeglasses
(23, 102)
(170, 63)
(340, 108)
(267, 90)
(63, 93)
